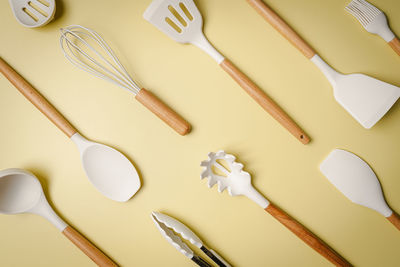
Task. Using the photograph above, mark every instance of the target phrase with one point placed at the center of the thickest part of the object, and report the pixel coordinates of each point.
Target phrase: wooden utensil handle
(264, 101)
(308, 237)
(88, 248)
(162, 111)
(36, 99)
(395, 220)
(281, 26)
(395, 45)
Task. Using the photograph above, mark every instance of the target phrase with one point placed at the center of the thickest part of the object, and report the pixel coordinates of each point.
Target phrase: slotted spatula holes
(37, 8)
(179, 17)
(43, 2)
(30, 14)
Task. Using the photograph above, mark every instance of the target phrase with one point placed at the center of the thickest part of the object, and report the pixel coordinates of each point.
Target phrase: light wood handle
(88, 248)
(308, 237)
(264, 101)
(36, 99)
(281, 26)
(162, 111)
(395, 45)
(395, 220)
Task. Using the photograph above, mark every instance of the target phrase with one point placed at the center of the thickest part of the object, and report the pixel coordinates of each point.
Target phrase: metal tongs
(170, 228)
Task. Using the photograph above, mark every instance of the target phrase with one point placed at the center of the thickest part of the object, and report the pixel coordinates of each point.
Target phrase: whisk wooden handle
(281, 26)
(88, 248)
(36, 99)
(308, 237)
(162, 111)
(395, 45)
(395, 220)
(264, 101)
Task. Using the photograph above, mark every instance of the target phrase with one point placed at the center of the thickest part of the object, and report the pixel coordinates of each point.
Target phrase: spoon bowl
(19, 191)
(108, 169)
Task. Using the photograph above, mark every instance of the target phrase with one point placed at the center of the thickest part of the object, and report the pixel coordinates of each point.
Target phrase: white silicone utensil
(87, 50)
(365, 98)
(182, 21)
(107, 169)
(374, 21)
(357, 181)
(230, 176)
(162, 221)
(21, 192)
(33, 13)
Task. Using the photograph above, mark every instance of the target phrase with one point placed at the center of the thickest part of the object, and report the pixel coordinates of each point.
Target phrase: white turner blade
(355, 179)
(365, 98)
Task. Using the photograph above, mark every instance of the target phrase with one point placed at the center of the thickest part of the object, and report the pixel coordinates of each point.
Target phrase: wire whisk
(87, 50)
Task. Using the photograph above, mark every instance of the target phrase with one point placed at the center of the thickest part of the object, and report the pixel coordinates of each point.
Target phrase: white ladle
(33, 13)
(21, 192)
(108, 170)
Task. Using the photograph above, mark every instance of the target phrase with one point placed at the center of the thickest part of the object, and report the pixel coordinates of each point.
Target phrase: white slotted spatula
(365, 98)
(182, 21)
(33, 13)
(357, 181)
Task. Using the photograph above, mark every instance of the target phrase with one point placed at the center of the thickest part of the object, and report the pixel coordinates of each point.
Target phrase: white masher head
(232, 177)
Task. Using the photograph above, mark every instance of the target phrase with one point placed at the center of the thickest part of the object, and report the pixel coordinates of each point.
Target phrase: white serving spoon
(357, 181)
(33, 13)
(21, 192)
(108, 170)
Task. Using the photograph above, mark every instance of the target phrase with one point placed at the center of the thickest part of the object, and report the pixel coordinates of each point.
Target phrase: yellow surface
(223, 117)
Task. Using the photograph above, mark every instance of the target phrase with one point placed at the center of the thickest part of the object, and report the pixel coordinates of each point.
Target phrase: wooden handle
(395, 220)
(162, 111)
(395, 45)
(88, 248)
(308, 237)
(36, 99)
(264, 101)
(281, 26)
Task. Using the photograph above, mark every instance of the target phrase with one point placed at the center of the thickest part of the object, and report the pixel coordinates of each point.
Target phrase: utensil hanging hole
(177, 15)
(38, 9)
(173, 25)
(30, 14)
(186, 11)
(43, 2)
(301, 136)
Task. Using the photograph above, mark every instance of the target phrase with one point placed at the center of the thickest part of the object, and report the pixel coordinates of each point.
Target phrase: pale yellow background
(223, 117)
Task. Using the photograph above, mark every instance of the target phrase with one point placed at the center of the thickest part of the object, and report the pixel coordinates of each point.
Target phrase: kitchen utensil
(222, 169)
(33, 13)
(374, 21)
(182, 21)
(357, 181)
(365, 98)
(21, 192)
(168, 226)
(107, 169)
(87, 50)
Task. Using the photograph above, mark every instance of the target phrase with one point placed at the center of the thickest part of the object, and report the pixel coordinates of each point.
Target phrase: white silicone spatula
(107, 169)
(182, 21)
(21, 192)
(357, 181)
(33, 13)
(365, 98)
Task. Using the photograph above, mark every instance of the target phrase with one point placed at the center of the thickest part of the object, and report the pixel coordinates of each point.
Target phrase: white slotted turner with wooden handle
(357, 181)
(365, 98)
(33, 13)
(182, 21)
